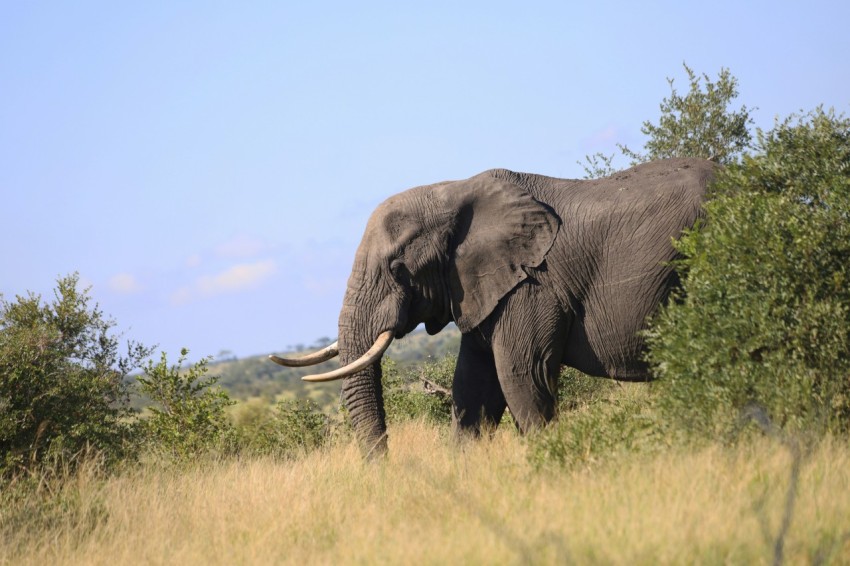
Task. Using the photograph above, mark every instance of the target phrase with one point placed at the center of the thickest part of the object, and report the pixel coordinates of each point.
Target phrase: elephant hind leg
(477, 397)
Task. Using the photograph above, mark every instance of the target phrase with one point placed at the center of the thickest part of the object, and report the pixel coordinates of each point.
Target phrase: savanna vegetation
(433, 503)
(737, 453)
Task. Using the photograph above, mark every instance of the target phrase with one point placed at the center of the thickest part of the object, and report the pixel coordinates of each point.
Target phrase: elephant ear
(499, 230)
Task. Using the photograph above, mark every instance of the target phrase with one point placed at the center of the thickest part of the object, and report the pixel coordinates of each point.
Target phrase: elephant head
(433, 254)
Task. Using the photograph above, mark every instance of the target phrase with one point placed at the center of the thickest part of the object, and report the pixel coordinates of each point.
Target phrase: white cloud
(123, 284)
(193, 261)
(236, 278)
(241, 246)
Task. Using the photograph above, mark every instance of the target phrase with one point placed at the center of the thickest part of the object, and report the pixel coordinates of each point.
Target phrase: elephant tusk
(374, 353)
(323, 355)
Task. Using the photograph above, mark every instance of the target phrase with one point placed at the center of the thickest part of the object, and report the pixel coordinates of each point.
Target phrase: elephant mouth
(371, 356)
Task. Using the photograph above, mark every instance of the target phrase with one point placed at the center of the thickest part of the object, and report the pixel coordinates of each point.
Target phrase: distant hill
(418, 346)
(258, 377)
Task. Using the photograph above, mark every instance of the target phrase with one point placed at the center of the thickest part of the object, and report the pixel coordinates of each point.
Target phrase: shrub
(765, 315)
(292, 427)
(188, 416)
(697, 124)
(576, 390)
(614, 420)
(297, 425)
(62, 382)
(423, 391)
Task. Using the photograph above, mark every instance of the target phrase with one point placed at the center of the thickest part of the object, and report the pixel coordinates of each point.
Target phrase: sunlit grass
(435, 502)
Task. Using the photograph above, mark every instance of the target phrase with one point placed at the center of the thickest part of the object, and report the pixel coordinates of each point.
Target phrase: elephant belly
(615, 360)
(605, 339)
(600, 361)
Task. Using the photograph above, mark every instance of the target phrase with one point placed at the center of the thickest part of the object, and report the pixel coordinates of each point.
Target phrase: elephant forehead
(404, 216)
(388, 226)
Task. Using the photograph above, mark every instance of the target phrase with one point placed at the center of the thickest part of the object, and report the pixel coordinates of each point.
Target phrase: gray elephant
(535, 271)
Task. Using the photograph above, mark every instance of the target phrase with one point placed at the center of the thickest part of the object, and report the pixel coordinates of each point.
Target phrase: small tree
(62, 381)
(765, 315)
(698, 124)
(188, 416)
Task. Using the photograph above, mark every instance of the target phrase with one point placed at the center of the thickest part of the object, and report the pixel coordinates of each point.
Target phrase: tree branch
(435, 389)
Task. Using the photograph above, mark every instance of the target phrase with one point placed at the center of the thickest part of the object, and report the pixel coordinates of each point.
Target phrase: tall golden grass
(434, 502)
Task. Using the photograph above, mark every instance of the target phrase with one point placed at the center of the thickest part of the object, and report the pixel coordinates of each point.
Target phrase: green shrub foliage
(576, 390)
(608, 421)
(296, 426)
(62, 381)
(765, 317)
(286, 429)
(423, 391)
(188, 415)
(697, 124)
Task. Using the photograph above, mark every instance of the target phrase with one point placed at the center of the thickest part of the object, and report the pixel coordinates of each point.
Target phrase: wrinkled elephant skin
(535, 271)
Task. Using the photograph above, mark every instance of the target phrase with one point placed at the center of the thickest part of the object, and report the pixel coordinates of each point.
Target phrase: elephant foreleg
(477, 397)
(528, 343)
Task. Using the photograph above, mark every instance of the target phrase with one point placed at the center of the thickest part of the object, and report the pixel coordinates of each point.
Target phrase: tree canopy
(699, 123)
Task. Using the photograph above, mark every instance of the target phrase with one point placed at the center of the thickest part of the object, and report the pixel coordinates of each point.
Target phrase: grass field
(433, 502)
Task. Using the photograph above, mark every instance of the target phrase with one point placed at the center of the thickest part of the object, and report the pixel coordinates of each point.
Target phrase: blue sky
(208, 167)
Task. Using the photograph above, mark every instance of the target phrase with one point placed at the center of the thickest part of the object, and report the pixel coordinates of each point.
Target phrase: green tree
(188, 416)
(63, 384)
(697, 124)
(765, 314)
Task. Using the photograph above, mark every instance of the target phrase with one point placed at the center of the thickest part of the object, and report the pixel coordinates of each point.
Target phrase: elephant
(535, 271)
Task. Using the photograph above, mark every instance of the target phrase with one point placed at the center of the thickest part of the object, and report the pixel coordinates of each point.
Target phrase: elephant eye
(399, 270)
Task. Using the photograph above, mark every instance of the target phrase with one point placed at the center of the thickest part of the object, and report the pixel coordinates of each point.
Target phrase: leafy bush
(698, 124)
(424, 391)
(188, 416)
(292, 427)
(765, 315)
(576, 390)
(62, 382)
(421, 392)
(613, 420)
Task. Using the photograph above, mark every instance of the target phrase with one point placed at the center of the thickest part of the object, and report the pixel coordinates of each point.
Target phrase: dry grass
(434, 503)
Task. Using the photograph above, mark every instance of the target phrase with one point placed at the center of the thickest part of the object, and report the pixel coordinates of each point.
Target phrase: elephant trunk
(363, 397)
(362, 391)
